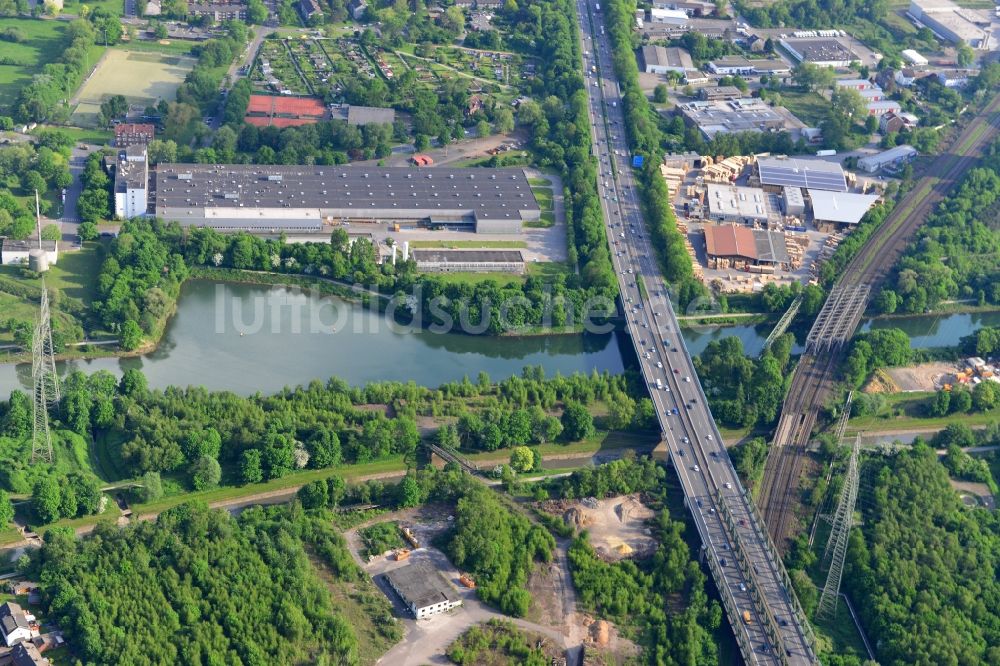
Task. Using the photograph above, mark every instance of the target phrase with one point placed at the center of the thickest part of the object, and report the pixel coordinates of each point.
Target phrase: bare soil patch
(923, 377)
(617, 525)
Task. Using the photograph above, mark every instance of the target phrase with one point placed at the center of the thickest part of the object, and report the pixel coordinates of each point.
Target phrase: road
(70, 223)
(814, 379)
(750, 578)
(233, 75)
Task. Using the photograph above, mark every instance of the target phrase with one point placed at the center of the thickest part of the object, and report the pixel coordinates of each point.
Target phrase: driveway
(426, 641)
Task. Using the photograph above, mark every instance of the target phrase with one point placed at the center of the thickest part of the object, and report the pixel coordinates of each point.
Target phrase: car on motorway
(673, 410)
(722, 561)
(677, 371)
(729, 486)
(686, 440)
(699, 504)
(696, 468)
(687, 379)
(659, 364)
(743, 587)
(708, 437)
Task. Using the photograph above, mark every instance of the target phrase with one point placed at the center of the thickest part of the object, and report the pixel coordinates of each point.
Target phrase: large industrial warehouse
(263, 199)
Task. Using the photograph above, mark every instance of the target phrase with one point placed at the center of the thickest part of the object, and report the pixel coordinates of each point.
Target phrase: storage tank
(38, 260)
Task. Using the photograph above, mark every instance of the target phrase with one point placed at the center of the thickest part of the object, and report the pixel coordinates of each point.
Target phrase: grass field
(143, 77)
(809, 107)
(94, 136)
(42, 46)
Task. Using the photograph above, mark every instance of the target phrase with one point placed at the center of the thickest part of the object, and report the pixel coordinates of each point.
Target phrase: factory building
(469, 261)
(423, 590)
(660, 60)
(743, 245)
(824, 51)
(735, 115)
(776, 173)
(728, 203)
(131, 182)
(839, 208)
(260, 198)
(741, 66)
(951, 22)
(889, 159)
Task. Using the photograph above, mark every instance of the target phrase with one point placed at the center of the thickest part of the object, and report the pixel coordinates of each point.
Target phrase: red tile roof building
(133, 134)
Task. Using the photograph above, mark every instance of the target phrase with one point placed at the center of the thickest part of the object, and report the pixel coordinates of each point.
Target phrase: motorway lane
(693, 440)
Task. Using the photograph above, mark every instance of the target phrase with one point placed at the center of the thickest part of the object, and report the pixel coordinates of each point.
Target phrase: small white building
(893, 157)
(15, 252)
(131, 181)
(668, 16)
(423, 589)
(914, 58)
(16, 624)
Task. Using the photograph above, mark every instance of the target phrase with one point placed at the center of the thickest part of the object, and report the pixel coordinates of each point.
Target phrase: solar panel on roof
(800, 173)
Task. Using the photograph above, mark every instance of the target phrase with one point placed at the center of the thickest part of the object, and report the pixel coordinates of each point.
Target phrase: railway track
(814, 377)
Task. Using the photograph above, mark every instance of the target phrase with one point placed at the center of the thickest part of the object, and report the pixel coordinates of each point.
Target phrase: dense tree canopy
(199, 587)
(922, 569)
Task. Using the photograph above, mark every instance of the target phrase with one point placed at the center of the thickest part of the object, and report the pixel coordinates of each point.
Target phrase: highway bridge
(815, 374)
(769, 625)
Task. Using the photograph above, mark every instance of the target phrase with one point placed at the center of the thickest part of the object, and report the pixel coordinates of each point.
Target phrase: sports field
(144, 78)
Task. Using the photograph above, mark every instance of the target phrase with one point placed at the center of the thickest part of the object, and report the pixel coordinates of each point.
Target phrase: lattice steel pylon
(45, 380)
(836, 545)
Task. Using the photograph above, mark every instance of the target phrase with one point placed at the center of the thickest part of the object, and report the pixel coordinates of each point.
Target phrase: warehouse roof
(732, 240)
(469, 256)
(733, 201)
(421, 585)
(485, 193)
(662, 56)
(816, 174)
(843, 207)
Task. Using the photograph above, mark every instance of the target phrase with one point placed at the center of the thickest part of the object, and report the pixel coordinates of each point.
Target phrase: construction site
(754, 220)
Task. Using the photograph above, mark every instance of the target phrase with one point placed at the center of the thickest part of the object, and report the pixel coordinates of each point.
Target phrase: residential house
(894, 122)
(16, 624)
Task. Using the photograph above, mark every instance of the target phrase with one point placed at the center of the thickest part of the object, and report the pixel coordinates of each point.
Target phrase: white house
(131, 179)
(16, 624)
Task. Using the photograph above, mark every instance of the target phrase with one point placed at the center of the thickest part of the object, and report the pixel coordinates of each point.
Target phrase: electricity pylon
(43, 372)
(836, 545)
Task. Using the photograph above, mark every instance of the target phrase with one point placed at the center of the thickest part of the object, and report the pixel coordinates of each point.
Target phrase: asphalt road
(707, 476)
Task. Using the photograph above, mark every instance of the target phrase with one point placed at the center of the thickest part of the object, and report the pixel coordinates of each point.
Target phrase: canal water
(248, 338)
(944, 330)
